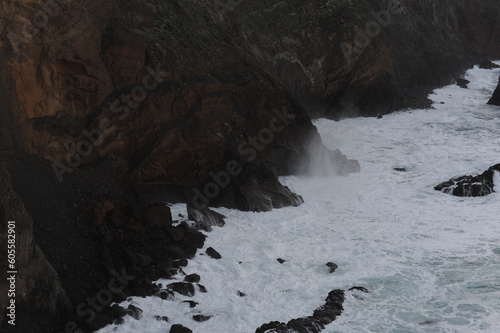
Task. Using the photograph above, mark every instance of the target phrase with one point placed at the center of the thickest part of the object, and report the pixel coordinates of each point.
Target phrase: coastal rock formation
(495, 99)
(40, 300)
(471, 186)
(322, 316)
(206, 102)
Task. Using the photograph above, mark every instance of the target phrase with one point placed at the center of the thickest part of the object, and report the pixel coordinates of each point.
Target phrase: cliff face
(169, 88)
(343, 58)
(40, 300)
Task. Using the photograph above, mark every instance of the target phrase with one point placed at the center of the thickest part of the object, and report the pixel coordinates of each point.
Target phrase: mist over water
(430, 260)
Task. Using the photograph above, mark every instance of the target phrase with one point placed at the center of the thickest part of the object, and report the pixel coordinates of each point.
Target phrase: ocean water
(431, 261)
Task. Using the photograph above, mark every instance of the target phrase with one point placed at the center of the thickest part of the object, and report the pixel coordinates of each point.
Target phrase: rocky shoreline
(111, 110)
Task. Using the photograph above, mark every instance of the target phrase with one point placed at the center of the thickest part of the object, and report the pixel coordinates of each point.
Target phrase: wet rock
(363, 289)
(322, 316)
(134, 312)
(273, 327)
(470, 186)
(178, 328)
(183, 288)
(213, 253)
(193, 278)
(462, 83)
(192, 304)
(487, 64)
(162, 318)
(166, 294)
(332, 266)
(201, 318)
(495, 99)
(205, 218)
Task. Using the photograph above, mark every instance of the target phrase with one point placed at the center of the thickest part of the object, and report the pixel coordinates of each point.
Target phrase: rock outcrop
(495, 99)
(471, 186)
(344, 58)
(322, 316)
(40, 300)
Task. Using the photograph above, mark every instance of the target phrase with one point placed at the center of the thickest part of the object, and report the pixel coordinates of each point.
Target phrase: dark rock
(40, 299)
(306, 325)
(158, 215)
(332, 266)
(192, 304)
(470, 186)
(462, 83)
(495, 99)
(205, 218)
(213, 253)
(363, 289)
(183, 288)
(193, 278)
(166, 294)
(241, 294)
(281, 261)
(400, 169)
(487, 64)
(273, 327)
(162, 318)
(380, 116)
(322, 316)
(201, 318)
(178, 328)
(202, 288)
(134, 312)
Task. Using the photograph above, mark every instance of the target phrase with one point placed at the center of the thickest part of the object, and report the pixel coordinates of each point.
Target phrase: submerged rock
(470, 186)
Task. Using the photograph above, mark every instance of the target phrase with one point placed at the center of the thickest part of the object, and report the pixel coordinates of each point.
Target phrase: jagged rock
(213, 253)
(281, 261)
(202, 288)
(205, 218)
(241, 294)
(495, 99)
(178, 328)
(470, 186)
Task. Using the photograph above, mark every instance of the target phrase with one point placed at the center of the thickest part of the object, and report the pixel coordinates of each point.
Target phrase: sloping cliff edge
(208, 102)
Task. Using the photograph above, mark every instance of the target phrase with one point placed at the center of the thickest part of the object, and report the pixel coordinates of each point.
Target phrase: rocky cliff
(206, 102)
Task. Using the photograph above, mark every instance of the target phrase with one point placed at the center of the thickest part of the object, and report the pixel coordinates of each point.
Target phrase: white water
(431, 260)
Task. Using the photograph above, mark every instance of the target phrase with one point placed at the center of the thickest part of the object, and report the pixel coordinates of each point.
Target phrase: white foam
(430, 259)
